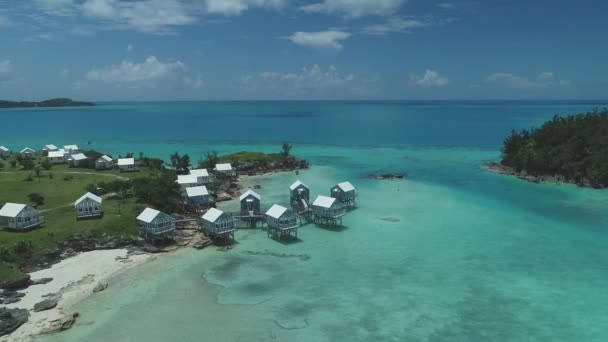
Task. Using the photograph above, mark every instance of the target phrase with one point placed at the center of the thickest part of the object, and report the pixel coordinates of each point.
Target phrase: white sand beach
(73, 280)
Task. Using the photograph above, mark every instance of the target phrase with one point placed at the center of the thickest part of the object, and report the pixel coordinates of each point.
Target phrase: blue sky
(308, 49)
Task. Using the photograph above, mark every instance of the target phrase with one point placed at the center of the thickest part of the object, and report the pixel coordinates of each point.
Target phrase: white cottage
(56, 157)
(5, 152)
(250, 203)
(202, 176)
(19, 217)
(48, 148)
(281, 221)
(71, 149)
(127, 165)
(104, 163)
(217, 223)
(28, 153)
(225, 169)
(155, 224)
(198, 196)
(187, 181)
(344, 192)
(77, 159)
(88, 206)
(328, 210)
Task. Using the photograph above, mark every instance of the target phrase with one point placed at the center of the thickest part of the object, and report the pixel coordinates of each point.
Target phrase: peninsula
(59, 102)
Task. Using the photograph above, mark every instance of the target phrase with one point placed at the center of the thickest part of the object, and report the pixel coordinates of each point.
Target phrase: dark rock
(151, 249)
(11, 319)
(100, 287)
(68, 321)
(18, 284)
(257, 186)
(46, 304)
(388, 176)
(41, 281)
(10, 300)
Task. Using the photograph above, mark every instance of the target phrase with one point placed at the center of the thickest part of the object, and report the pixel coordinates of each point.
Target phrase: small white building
(104, 163)
(48, 148)
(71, 149)
(187, 181)
(76, 159)
(155, 224)
(198, 196)
(328, 210)
(281, 221)
(225, 169)
(217, 223)
(28, 153)
(5, 152)
(250, 203)
(88, 206)
(344, 192)
(56, 157)
(127, 165)
(202, 176)
(19, 217)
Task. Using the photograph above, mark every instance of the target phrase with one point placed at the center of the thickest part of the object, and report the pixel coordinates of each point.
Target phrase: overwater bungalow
(328, 211)
(281, 222)
(71, 149)
(76, 159)
(56, 157)
(28, 153)
(225, 169)
(88, 206)
(48, 148)
(127, 165)
(299, 197)
(186, 181)
(5, 152)
(155, 225)
(202, 176)
(250, 203)
(345, 193)
(19, 217)
(198, 196)
(105, 162)
(218, 224)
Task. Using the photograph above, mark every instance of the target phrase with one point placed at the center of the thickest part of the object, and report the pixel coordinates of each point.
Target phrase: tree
(46, 164)
(286, 150)
(211, 159)
(36, 199)
(27, 164)
(175, 159)
(162, 193)
(13, 163)
(38, 170)
(184, 163)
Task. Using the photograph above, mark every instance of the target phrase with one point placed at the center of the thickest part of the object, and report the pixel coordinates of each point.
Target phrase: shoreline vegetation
(52, 190)
(571, 149)
(59, 102)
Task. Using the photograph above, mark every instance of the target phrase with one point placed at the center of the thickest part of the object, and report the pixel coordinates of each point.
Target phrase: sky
(143, 50)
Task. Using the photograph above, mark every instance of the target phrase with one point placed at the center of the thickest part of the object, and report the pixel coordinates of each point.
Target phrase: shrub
(29, 178)
(68, 178)
(36, 199)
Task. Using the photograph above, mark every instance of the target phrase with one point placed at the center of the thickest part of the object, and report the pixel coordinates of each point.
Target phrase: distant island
(570, 149)
(60, 102)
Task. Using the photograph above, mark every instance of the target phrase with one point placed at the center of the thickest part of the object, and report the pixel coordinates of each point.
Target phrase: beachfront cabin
(28, 153)
(5, 152)
(345, 193)
(202, 176)
(198, 196)
(104, 163)
(56, 157)
(71, 149)
(218, 224)
(299, 195)
(250, 203)
(225, 169)
(186, 181)
(328, 211)
(48, 148)
(19, 217)
(155, 225)
(77, 159)
(88, 206)
(127, 165)
(281, 222)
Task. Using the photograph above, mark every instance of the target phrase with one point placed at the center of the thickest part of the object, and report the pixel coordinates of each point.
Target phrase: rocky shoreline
(523, 175)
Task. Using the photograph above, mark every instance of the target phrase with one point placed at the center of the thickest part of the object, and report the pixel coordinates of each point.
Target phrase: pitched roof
(223, 167)
(276, 211)
(186, 179)
(126, 161)
(78, 156)
(249, 192)
(51, 147)
(324, 201)
(148, 215)
(11, 209)
(56, 154)
(346, 186)
(106, 158)
(197, 191)
(212, 215)
(71, 147)
(295, 185)
(199, 172)
(27, 149)
(89, 195)
(5, 149)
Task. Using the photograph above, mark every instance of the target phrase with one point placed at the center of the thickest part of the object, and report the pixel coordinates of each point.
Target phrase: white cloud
(5, 21)
(41, 37)
(5, 71)
(57, 7)
(321, 40)
(151, 73)
(63, 73)
(543, 80)
(395, 24)
(236, 7)
(355, 8)
(149, 16)
(445, 5)
(130, 48)
(430, 79)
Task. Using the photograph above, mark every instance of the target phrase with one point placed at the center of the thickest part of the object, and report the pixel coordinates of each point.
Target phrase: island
(59, 102)
(566, 149)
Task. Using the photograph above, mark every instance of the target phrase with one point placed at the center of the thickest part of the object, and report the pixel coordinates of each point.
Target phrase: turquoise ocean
(452, 253)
